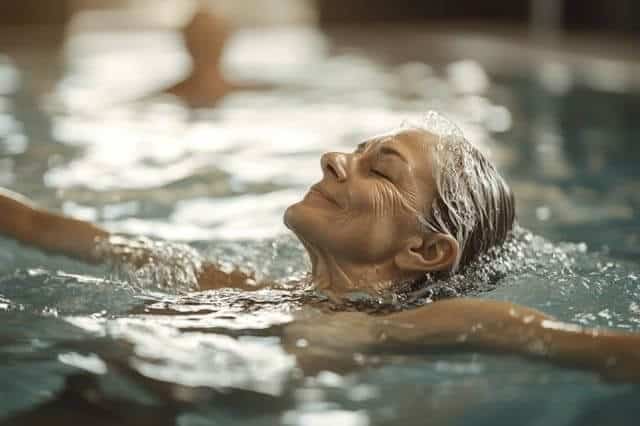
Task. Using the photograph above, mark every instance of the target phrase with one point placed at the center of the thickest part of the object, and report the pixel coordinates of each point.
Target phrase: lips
(324, 194)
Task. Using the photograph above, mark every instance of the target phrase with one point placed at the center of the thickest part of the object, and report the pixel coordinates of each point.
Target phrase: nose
(334, 164)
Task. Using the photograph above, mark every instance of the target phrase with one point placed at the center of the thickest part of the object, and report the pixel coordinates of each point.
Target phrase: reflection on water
(81, 336)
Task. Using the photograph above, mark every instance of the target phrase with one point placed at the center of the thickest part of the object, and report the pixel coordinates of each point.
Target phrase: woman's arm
(488, 325)
(51, 232)
(55, 233)
(468, 324)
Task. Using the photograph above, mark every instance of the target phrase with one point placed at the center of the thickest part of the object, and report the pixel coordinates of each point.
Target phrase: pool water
(85, 343)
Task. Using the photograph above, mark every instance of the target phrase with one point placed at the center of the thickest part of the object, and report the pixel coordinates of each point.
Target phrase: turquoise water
(83, 343)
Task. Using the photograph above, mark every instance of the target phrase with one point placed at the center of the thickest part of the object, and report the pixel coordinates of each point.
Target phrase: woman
(404, 209)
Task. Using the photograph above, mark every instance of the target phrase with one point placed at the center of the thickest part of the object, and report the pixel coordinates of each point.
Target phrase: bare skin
(359, 227)
(463, 325)
(359, 223)
(205, 37)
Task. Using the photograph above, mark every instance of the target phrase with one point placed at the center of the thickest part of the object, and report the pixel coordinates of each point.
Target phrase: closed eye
(380, 174)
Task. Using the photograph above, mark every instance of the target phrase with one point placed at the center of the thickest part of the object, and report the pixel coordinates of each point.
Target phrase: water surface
(82, 342)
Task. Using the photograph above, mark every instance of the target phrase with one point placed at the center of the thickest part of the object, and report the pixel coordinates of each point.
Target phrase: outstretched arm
(488, 325)
(55, 233)
(22, 221)
(469, 324)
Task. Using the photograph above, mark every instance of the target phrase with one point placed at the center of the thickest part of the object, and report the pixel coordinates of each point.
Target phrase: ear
(429, 253)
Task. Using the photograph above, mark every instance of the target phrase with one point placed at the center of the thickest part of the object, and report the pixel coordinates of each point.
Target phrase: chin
(292, 217)
(298, 219)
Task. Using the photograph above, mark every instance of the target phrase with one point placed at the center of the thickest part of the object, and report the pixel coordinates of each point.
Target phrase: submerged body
(368, 226)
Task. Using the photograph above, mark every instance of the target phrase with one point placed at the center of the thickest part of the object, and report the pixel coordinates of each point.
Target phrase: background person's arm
(468, 324)
(58, 234)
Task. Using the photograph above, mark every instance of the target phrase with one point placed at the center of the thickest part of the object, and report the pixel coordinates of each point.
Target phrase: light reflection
(7, 175)
(7, 124)
(550, 147)
(164, 352)
(543, 213)
(562, 326)
(555, 77)
(115, 211)
(91, 362)
(160, 229)
(324, 416)
(79, 212)
(468, 77)
(9, 76)
(498, 119)
(94, 62)
(363, 392)
(608, 76)
(277, 54)
(15, 143)
(274, 146)
(247, 216)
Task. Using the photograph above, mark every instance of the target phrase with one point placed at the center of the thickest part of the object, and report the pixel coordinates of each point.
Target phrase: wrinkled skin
(359, 223)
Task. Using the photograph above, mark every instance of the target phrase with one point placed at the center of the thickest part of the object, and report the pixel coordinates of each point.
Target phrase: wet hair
(472, 202)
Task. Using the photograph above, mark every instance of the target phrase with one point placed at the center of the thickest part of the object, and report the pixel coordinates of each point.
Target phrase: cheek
(411, 200)
(380, 209)
(379, 220)
(385, 202)
(365, 239)
(373, 200)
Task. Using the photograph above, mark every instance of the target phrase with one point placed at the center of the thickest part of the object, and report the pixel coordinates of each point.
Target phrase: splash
(452, 171)
(520, 252)
(149, 264)
(437, 124)
(561, 279)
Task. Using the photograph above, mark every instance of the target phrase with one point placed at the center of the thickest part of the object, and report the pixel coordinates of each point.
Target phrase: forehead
(416, 145)
(411, 138)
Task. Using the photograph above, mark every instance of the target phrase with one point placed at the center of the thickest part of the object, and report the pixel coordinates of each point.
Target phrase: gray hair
(472, 203)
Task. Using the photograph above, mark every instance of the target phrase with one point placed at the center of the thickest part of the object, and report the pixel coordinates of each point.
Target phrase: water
(90, 343)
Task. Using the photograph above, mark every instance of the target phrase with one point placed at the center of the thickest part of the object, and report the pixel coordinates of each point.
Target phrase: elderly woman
(404, 209)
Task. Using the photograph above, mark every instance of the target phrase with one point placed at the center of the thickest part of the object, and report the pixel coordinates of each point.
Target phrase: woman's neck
(338, 277)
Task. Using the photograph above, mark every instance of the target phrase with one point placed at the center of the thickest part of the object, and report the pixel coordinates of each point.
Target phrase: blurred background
(586, 15)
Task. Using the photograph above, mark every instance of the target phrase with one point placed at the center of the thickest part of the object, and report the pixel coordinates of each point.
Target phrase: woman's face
(364, 209)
